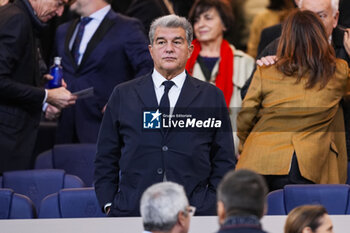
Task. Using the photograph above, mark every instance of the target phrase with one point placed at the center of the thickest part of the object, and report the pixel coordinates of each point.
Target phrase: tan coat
(280, 116)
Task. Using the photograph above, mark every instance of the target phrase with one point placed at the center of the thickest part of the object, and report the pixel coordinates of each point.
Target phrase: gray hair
(171, 21)
(335, 5)
(160, 205)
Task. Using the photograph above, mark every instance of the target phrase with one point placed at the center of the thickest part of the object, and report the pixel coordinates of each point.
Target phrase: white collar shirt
(90, 30)
(174, 91)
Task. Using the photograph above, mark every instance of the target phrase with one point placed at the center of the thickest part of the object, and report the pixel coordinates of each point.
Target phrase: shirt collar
(101, 13)
(158, 79)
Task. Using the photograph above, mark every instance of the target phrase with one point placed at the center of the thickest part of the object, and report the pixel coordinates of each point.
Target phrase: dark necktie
(164, 104)
(76, 45)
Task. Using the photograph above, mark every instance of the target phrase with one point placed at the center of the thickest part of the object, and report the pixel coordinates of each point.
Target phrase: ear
(150, 50)
(306, 230)
(221, 212)
(181, 219)
(190, 50)
(336, 17)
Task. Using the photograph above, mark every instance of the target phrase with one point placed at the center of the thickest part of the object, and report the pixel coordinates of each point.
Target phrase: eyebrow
(175, 38)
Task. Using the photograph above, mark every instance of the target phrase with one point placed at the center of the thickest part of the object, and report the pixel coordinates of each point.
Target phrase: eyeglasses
(191, 210)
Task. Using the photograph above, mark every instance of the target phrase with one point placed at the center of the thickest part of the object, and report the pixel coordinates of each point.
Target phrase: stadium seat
(334, 197)
(75, 159)
(37, 184)
(71, 203)
(15, 206)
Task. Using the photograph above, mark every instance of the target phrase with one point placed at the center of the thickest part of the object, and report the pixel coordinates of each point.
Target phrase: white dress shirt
(90, 30)
(174, 91)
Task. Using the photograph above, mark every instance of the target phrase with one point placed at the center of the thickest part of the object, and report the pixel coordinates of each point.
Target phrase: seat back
(71, 203)
(348, 179)
(15, 206)
(75, 159)
(334, 197)
(275, 203)
(37, 184)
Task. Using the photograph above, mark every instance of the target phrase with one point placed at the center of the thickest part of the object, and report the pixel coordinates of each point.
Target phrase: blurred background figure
(308, 219)
(164, 209)
(286, 122)
(241, 202)
(275, 13)
(100, 49)
(215, 60)
(148, 10)
(21, 97)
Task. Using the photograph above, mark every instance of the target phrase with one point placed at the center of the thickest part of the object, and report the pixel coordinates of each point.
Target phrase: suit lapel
(146, 93)
(101, 31)
(68, 38)
(189, 91)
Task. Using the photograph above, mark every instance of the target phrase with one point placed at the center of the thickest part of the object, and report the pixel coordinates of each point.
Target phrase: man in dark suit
(21, 99)
(241, 202)
(101, 50)
(137, 147)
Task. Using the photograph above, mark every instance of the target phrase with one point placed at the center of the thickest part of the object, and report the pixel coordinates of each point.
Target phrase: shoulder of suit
(134, 82)
(123, 19)
(13, 12)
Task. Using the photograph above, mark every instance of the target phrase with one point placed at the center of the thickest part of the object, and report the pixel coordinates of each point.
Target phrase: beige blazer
(280, 116)
(243, 66)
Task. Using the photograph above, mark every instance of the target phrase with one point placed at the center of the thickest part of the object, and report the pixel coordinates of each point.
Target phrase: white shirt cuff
(106, 206)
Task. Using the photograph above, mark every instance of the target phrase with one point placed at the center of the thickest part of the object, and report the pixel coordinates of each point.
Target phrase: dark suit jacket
(129, 158)
(147, 11)
(20, 99)
(241, 229)
(116, 53)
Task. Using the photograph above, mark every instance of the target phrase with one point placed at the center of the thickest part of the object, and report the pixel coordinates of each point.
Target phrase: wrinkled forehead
(169, 33)
(316, 6)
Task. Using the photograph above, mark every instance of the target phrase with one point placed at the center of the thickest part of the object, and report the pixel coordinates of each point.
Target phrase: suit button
(165, 148)
(160, 171)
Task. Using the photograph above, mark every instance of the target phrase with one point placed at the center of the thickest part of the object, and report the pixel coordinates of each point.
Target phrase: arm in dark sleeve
(108, 153)
(222, 157)
(136, 48)
(14, 33)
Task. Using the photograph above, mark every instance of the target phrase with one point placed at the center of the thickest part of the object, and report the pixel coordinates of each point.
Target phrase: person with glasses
(165, 208)
(241, 202)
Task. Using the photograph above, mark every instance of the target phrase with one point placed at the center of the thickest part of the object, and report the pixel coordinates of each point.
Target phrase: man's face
(47, 9)
(323, 8)
(170, 51)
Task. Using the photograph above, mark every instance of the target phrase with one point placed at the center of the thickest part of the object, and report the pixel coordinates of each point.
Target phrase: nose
(169, 47)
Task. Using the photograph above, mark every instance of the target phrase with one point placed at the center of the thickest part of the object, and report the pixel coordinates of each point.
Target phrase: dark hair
(222, 6)
(304, 216)
(304, 49)
(281, 4)
(243, 192)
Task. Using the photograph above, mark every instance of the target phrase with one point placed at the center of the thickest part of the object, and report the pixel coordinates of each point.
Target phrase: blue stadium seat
(71, 203)
(15, 206)
(37, 184)
(75, 159)
(334, 197)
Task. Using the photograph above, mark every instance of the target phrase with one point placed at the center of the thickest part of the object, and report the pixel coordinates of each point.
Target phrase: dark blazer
(147, 11)
(20, 99)
(129, 158)
(241, 229)
(116, 53)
